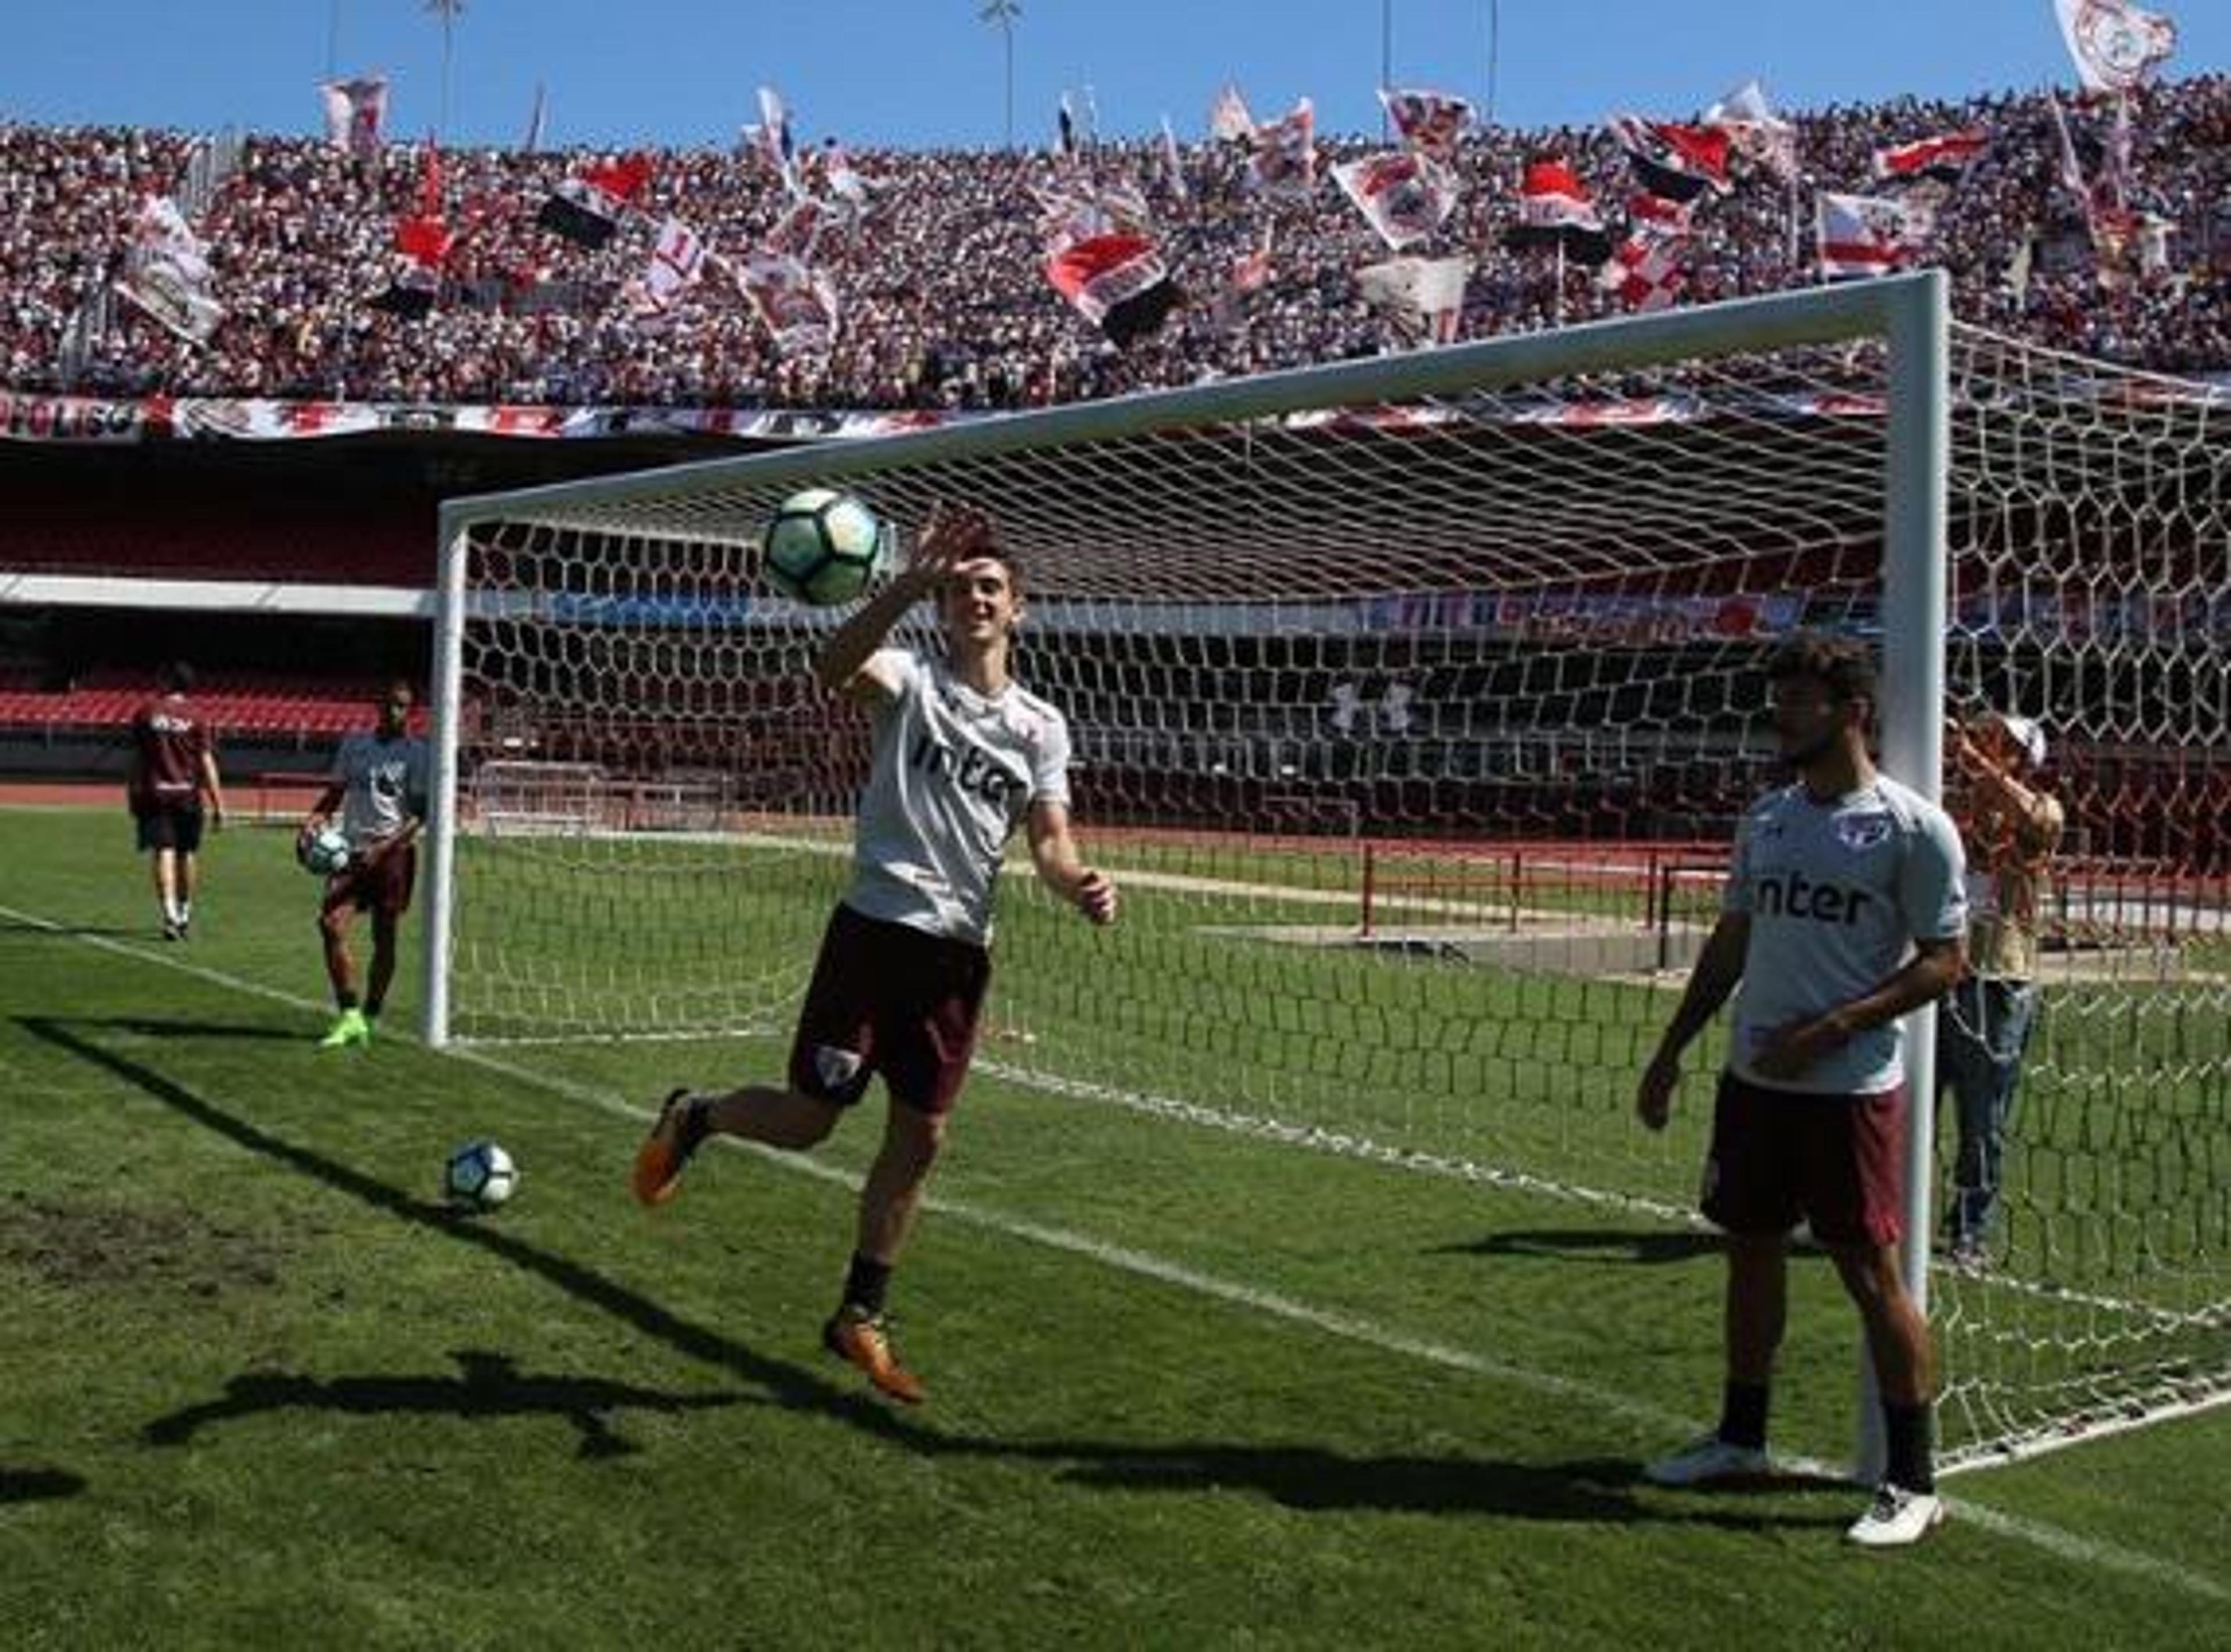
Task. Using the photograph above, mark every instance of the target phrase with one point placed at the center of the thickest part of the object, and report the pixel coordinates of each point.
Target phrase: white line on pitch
(2066, 1545)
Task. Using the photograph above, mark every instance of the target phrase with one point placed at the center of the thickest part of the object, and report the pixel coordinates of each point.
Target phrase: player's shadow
(37, 1485)
(75, 931)
(782, 1383)
(1653, 1246)
(487, 1386)
(150, 1027)
(1316, 1479)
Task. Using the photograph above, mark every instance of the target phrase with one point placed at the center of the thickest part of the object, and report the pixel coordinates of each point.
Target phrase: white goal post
(1414, 699)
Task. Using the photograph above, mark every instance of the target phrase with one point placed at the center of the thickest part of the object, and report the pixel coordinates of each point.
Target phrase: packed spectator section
(945, 302)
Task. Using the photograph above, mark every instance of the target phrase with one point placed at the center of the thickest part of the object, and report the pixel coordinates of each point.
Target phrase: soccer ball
(480, 1174)
(823, 547)
(323, 853)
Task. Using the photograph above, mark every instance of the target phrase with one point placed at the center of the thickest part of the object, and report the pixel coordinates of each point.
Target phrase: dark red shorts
(382, 886)
(1780, 1156)
(163, 827)
(888, 999)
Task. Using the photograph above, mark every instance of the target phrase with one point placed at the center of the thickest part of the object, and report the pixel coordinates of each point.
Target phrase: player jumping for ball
(963, 754)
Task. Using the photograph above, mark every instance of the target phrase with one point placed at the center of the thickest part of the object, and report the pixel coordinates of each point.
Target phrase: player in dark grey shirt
(964, 756)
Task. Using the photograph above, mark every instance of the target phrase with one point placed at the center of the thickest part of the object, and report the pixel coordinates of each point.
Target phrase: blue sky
(928, 72)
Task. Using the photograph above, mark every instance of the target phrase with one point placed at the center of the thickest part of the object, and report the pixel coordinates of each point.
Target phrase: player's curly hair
(1845, 668)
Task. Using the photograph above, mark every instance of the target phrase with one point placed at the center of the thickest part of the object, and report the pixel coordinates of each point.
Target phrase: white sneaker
(1709, 1458)
(1898, 1517)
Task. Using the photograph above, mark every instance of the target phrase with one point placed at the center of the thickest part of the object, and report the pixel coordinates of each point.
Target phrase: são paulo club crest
(2115, 43)
(1860, 833)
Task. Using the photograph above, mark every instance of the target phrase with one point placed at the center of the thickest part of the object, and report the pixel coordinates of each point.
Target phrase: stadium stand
(944, 301)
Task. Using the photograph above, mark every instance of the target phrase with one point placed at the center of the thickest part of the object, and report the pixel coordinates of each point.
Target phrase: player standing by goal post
(963, 755)
(1844, 910)
(379, 783)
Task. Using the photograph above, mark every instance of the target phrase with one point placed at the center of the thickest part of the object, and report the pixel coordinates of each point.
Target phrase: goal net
(1414, 702)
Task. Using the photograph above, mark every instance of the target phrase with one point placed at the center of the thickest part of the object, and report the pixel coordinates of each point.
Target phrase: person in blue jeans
(2009, 825)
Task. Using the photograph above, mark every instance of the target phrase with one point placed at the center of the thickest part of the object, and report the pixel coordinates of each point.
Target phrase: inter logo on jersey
(973, 770)
(1792, 895)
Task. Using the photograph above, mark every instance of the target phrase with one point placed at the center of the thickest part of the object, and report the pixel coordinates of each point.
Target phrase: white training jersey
(384, 783)
(1837, 893)
(953, 773)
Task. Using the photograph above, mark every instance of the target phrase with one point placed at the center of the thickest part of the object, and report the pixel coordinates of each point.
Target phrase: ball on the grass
(480, 1174)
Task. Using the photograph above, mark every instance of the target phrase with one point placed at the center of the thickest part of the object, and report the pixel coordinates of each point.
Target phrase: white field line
(2066, 1545)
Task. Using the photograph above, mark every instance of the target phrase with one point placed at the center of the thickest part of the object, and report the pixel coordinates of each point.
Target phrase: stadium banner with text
(96, 419)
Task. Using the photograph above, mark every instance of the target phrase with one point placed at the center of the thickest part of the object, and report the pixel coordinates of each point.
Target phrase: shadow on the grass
(1589, 1244)
(37, 1485)
(1317, 1479)
(784, 1383)
(78, 931)
(489, 1385)
(1299, 1477)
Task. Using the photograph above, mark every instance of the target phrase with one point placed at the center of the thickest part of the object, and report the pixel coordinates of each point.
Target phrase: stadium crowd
(945, 302)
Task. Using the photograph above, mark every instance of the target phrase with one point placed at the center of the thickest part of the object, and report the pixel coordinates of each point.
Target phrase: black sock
(345, 998)
(1743, 1413)
(1905, 1432)
(370, 1010)
(865, 1282)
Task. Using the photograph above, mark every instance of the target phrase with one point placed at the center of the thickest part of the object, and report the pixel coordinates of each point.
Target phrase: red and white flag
(1555, 210)
(1679, 163)
(166, 272)
(1425, 295)
(1118, 282)
(1429, 122)
(1946, 157)
(1405, 196)
(677, 260)
(1756, 133)
(1646, 270)
(1229, 121)
(2115, 44)
(1174, 178)
(356, 112)
(775, 141)
(842, 178)
(1285, 161)
(795, 302)
(1867, 234)
(1250, 273)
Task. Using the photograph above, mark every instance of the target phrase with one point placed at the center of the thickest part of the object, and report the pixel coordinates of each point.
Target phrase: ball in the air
(479, 1175)
(823, 547)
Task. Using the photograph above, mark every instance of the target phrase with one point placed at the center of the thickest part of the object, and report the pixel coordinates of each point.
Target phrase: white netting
(1416, 733)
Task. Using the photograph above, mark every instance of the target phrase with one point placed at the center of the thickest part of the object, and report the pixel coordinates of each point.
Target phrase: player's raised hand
(951, 535)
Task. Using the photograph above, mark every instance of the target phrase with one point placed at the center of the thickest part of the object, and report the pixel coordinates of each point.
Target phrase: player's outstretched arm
(950, 536)
(1053, 855)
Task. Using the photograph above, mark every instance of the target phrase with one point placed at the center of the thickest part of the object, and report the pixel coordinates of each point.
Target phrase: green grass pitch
(259, 1387)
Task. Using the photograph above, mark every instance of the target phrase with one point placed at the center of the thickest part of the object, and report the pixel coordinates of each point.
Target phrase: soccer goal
(1414, 701)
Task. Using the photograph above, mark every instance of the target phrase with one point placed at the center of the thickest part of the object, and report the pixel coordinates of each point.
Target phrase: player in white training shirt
(963, 756)
(379, 783)
(1844, 910)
